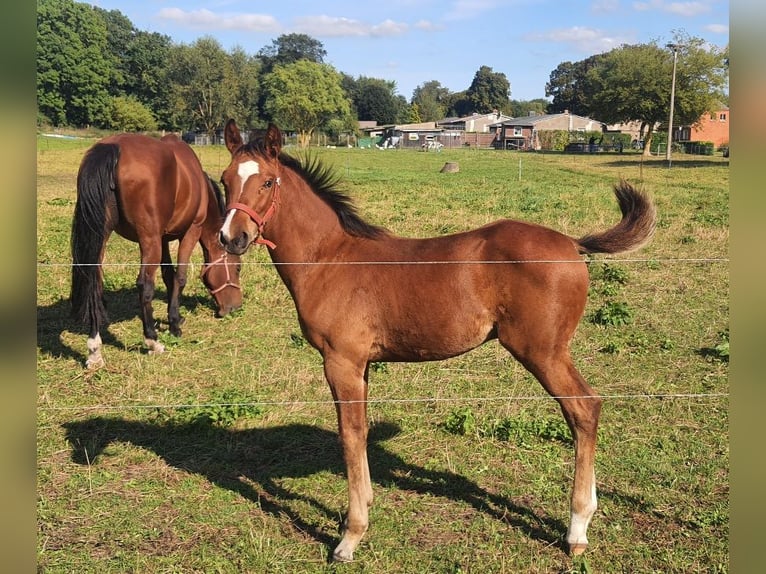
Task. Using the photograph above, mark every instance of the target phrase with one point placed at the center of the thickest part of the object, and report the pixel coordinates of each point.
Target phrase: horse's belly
(433, 340)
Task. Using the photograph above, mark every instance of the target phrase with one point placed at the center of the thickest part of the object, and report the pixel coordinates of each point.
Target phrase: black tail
(95, 185)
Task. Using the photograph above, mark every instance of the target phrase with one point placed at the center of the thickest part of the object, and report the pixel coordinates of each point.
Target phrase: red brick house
(712, 127)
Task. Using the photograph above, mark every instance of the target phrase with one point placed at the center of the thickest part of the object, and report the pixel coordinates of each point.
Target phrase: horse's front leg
(150, 257)
(348, 382)
(185, 249)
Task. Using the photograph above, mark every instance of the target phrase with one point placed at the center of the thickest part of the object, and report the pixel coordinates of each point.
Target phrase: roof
(531, 121)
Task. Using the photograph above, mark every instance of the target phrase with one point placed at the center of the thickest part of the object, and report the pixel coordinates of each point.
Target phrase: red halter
(261, 221)
(229, 282)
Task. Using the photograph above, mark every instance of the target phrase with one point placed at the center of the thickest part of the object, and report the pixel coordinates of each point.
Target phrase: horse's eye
(268, 183)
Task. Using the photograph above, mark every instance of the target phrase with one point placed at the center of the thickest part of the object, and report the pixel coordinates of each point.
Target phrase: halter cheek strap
(261, 221)
(229, 283)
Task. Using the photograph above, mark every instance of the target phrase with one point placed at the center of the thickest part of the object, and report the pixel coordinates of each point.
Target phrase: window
(722, 117)
(518, 132)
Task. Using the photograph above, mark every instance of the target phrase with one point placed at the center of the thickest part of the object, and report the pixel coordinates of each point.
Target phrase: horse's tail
(95, 187)
(634, 230)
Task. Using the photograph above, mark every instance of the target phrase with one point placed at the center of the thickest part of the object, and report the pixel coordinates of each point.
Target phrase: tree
(130, 115)
(290, 102)
(375, 99)
(431, 98)
(569, 86)
(73, 72)
(202, 89)
(633, 83)
(289, 48)
(521, 108)
(489, 91)
(244, 76)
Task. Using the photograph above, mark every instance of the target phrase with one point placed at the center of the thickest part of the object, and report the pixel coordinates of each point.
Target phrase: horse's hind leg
(550, 362)
(176, 288)
(170, 278)
(150, 257)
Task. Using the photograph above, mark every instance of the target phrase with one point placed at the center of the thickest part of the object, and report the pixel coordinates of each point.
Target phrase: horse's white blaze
(245, 170)
(578, 525)
(227, 223)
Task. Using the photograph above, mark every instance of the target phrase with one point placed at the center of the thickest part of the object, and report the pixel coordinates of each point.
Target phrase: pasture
(221, 455)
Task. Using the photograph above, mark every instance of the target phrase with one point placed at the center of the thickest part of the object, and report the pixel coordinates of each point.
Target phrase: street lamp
(673, 47)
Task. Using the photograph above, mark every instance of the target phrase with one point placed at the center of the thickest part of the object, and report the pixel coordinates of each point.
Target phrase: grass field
(221, 454)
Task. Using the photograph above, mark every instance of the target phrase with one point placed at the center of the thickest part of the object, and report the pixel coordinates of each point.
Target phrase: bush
(130, 115)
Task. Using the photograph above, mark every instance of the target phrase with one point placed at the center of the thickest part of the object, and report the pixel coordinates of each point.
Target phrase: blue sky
(415, 41)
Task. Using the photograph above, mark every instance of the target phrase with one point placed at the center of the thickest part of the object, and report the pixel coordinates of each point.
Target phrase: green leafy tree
(73, 66)
(489, 91)
(293, 105)
(521, 108)
(570, 87)
(633, 83)
(431, 98)
(243, 76)
(375, 99)
(130, 115)
(200, 91)
(289, 48)
(458, 104)
(140, 61)
(413, 116)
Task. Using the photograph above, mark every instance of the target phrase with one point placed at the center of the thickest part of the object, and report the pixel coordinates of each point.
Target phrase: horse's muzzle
(236, 246)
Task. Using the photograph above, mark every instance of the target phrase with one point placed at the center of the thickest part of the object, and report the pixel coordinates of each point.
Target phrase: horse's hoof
(340, 556)
(577, 549)
(155, 347)
(94, 364)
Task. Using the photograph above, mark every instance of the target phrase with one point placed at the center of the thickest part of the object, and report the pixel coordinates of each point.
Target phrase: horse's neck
(304, 228)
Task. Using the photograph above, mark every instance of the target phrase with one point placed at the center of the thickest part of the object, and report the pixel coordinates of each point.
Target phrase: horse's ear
(231, 136)
(273, 141)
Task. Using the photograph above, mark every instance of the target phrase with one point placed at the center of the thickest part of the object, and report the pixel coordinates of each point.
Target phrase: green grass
(221, 454)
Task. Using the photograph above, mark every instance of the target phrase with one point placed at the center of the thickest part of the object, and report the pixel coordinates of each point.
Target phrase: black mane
(214, 187)
(323, 181)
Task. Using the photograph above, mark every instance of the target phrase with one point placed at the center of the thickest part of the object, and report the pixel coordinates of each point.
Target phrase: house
(523, 133)
(712, 127)
(473, 130)
(408, 135)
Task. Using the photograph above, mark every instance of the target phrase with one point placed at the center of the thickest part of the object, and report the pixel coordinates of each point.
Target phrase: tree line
(95, 68)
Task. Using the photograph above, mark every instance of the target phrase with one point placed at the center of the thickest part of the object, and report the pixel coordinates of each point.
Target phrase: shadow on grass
(122, 305)
(252, 463)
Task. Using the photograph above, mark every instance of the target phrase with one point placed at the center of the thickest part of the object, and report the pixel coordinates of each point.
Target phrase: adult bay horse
(150, 191)
(363, 295)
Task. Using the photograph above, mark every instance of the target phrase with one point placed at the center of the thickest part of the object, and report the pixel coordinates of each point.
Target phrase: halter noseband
(259, 220)
(229, 282)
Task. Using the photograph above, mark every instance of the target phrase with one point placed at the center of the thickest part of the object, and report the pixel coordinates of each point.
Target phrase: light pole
(673, 47)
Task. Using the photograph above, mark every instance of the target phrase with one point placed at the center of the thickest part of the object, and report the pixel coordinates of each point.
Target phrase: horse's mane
(324, 182)
(216, 189)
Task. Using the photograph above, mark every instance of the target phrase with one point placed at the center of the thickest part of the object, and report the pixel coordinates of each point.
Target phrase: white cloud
(717, 28)
(678, 8)
(605, 6)
(336, 27)
(466, 9)
(583, 39)
(205, 19)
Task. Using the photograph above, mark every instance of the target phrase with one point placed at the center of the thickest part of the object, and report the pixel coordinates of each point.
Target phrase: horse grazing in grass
(152, 192)
(363, 294)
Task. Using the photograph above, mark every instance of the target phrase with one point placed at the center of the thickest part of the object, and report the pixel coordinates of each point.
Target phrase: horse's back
(162, 186)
